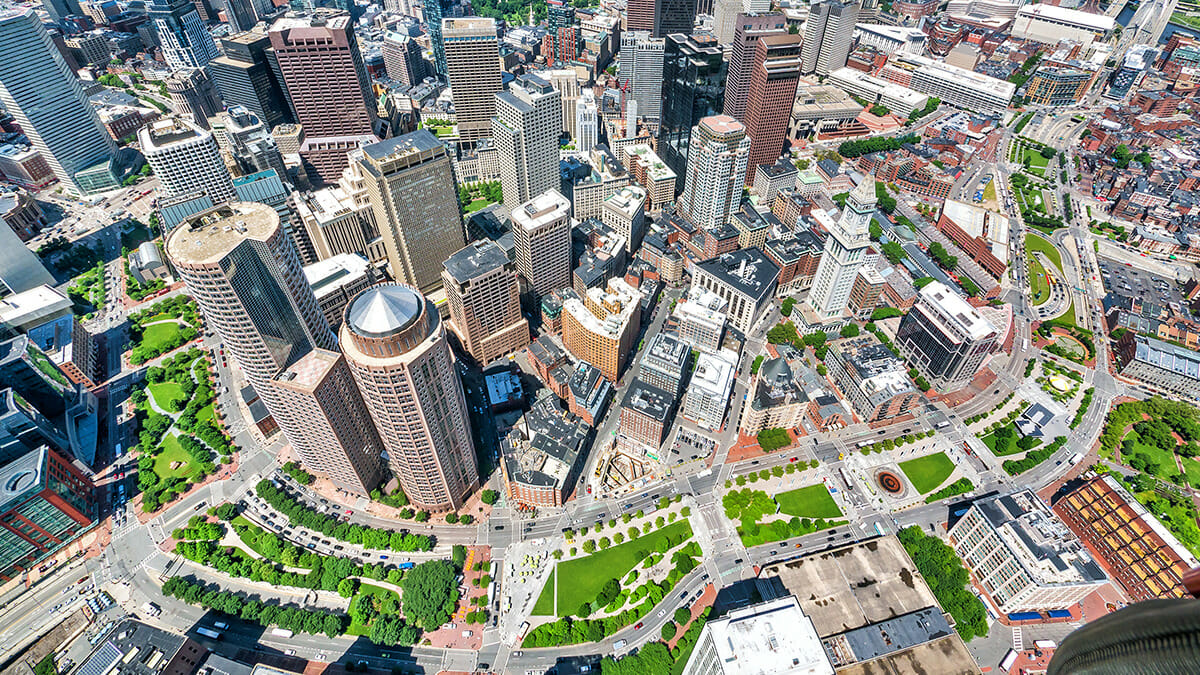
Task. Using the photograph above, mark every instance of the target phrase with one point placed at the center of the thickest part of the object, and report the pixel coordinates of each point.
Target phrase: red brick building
(645, 414)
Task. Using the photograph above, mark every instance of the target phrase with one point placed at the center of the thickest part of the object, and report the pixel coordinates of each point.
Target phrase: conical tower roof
(864, 192)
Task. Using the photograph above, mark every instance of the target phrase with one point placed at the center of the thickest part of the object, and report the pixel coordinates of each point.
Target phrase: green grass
(1191, 468)
(813, 501)
(173, 452)
(1069, 316)
(1034, 158)
(476, 204)
(1035, 243)
(927, 473)
(164, 393)
(159, 335)
(357, 628)
(589, 573)
(206, 413)
(1164, 458)
(545, 602)
(1039, 288)
(989, 192)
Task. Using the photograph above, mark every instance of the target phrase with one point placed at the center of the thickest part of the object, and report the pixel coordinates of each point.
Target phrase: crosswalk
(1018, 639)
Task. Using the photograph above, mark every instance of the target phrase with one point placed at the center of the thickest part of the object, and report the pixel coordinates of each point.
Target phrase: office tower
(665, 363)
(484, 292)
(473, 70)
(396, 346)
(402, 58)
(61, 9)
(772, 92)
(625, 213)
(827, 36)
(525, 131)
(586, 122)
(193, 94)
(661, 17)
(566, 82)
(243, 271)
(48, 503)
(945, 337)
(324, 74)
(542, 239)
(250, 143)
(559, 14)
(46, 100)
(244, 77)
(718, 153)
(693, 87)
(750, 27)
(642, 71)
(186, 159)
(845, 249)
(240, 14)
(20, 268)
(411, 186)
(435, 11)
(185, 41)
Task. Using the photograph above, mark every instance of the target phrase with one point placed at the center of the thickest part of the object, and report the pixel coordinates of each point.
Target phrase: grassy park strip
(928, 472)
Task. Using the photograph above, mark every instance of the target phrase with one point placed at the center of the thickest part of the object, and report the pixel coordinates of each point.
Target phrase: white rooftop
(952, 306)
(982, 223)
(1099, 22)
(326, 276)
(771, 638)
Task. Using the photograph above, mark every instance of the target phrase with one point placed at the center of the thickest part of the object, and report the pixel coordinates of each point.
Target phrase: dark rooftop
(747, 271)
(476, 259)
(649, 400)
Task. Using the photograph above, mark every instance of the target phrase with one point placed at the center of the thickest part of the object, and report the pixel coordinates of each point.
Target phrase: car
(498, 527)
(639, 625)
(772, 552)
(349, 512)
(483, 666)
(517, 653)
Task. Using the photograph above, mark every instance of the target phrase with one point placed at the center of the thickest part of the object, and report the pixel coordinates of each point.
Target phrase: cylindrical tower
(396, 346)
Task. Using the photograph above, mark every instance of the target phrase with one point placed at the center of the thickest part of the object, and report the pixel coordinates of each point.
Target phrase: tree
(429, 593)
(788, 304)
(668, 630)
(489, 497)
(347, 587)
(682, 615)
(894, 252)
(849, 330)
(756, 364)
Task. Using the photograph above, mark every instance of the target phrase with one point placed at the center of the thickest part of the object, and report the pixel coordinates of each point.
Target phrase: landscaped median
(763, 519)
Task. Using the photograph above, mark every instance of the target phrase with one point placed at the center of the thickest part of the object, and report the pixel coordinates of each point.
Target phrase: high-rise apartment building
(718, 156)
(402, 58)
(473, 70)
(46, 100)
(641, 71)
(827, 36)
(693, 87)
(242, 269)
(750, 27)
(773, 81)
(185, 41)
(397, 349)
(243, 76)
(186, 159)
(249, 142)
(484, 294)
(587, 122)
(193, 94)
(411, 187)
(845, 251)
(625, 213)
(661, 17)
(324, 74)
(945, 337)
(542, 238)
(435, 11)
(600, 327)
(525, 132)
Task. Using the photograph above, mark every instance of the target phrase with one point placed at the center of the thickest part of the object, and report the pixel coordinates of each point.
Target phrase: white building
(186, 159)
(1023, 556)
(337, 280)
(891, 39)
(895, 97)
(718, 156)
(525, 132)
(1052, 24)
(566, 81)
(845, 251)
(702, 317)
(771, 637)
(745, 279)
(587, 125)
(995, 9)
(708, 391)
(828, 34)
(625, 213)
(641, 64)
(542, 238)
(954, 85)
(185, 40)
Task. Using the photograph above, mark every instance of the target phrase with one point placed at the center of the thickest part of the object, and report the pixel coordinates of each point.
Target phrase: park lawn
(1035, 243)
(813, 502)
(1035, 158)
(589, 574)
(364, 590)
(164, 392)
(159, 335)
(545, 602)
(172, 452)
(1191, 469)
(1069, 317)
(1164, 459)
(1039, 288)
(205, 413)
(928, 472)
(476, 204)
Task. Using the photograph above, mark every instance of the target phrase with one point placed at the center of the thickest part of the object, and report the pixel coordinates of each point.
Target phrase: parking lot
(1123, 279)
(689, 446)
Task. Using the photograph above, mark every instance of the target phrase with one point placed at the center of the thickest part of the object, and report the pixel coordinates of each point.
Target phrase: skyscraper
(661, 17)
(243, 76)
(485, 306)
(435, 11)
(192, 94)
(693, 82)
(61, 9)
(716, 170)
(642, 71)
(186, 43)
(250, 143)
(473, 69)
(625, 212)
(46, 100)
(525, 131)
(845, 249)
(827, 36)
(186, 159)
(324, 73)
(566, 81)
(402, 58)
(20, 268)
(772, 92)
(542, 239)
(396, 346)
(750, 27)
(587, 123)
(411, 188)
(945, 337)
(243, 271)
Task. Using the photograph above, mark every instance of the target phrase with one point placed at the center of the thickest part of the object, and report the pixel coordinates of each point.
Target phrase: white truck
(1076, 458)
(281, 632)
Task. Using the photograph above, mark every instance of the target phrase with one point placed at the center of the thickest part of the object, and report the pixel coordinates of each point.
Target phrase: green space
(958, 487)
(1035, 243)
(1006, 440)
(749, 507)
(168, 396)
(1148, 457)
(1070, 344)
(545, 602)
(813, 501)
(947, 578)
(173, 461)
(160, 336)
(1034, 158)
(1039, 287)
(476, 196)
(1174, 510)
(589, 573)
(989, 192)
(366, 593)
(165, 325)
(928, 472)
(206, 414)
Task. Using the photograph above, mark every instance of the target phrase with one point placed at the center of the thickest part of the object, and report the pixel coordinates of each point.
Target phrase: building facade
(542, 238)
(718, 160)
(45, 503)
(945, 337)
(472, 54)
(828, 34)
(773, 79)
(186, 159)
(845, 251)
(693, 87)
(600, 327)
(483, 291)
(525, 131)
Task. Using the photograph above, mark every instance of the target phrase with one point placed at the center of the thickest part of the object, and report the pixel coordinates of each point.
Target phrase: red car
(639, 625)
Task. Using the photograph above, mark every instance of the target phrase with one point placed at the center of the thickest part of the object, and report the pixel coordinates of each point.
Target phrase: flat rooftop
(649, 400)
(208, 236)
(475, 259)
(772, 637)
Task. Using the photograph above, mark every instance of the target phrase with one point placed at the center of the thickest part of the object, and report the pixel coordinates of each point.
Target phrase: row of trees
(313, 621)
(376, 538)
(942, 256)
(947, 578)
(858, 148)
(1033, 457)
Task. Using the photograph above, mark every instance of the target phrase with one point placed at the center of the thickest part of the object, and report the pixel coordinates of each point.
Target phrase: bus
(210, 633)
(879, 530)
(281, 632)
(1007, 662)
(863, 444)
